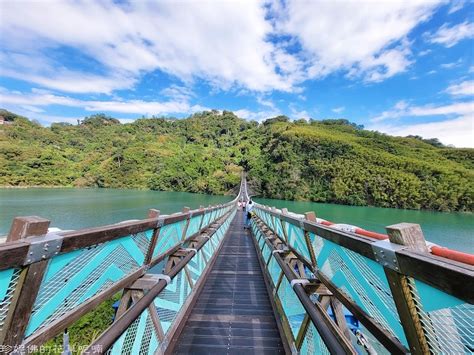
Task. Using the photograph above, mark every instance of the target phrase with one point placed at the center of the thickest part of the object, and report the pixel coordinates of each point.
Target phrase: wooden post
(284, 211)
(401, 286)
(338, 312)
(310, 216)
(201, 207)
(152, 213)
(302, 332)
(185, 229)
(155, 318)
(408, 234)
(124, 302)
(29, 282)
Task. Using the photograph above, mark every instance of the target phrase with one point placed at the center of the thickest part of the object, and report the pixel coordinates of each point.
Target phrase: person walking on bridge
(248, 214)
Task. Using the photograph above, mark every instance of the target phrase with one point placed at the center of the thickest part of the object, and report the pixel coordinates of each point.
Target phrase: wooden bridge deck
(233, 313)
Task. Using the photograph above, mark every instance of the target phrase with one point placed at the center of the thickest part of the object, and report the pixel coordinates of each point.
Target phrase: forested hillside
(322, 161)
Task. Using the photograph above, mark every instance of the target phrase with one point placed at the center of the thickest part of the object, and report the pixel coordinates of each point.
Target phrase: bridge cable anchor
(43, 247)
(302, 282)
(278, 251)
(165, 277)
(385, 254)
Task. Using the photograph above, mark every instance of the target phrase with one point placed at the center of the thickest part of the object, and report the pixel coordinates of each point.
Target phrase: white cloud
(458, 132)
(456, 129)
(266, 103)
(370, 45)
(450, 36)
(256, 115)
(36, 100)
(465, 88)
(224, 43)
(456, 5)
(45, 72)
(338, 109)
(404, 109)
(424, 52)
(451, 65)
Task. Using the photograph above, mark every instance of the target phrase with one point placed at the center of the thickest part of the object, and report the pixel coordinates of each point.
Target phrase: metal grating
(292, 306)
(266, 253)
(193, 226)
(447, 320)
(169, 236)
(74, 277)
(8, 282)
(274, 270)
(296, 239)
(313, 343)
(363, 280)
(233, 313)
(139, 338)
(171, 299)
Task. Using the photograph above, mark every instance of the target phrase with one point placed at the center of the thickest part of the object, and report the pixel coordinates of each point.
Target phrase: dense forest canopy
(322, 161)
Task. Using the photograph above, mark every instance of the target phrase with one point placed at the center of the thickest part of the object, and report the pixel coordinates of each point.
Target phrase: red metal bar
(453, 254)
(371, 234)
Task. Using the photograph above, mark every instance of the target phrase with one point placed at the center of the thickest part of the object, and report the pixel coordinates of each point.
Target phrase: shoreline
(203, 193)
(40, 186)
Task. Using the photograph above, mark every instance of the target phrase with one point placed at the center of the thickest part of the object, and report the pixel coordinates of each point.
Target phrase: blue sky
(400, 67)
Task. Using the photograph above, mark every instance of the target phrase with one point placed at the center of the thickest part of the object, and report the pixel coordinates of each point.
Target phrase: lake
(71, 208)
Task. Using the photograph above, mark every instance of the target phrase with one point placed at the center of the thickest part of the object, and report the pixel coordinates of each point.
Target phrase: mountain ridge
(332, 161)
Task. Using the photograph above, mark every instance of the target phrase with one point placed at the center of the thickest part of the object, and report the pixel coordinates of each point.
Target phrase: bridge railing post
(185, 229)
(152, 213)
(29, 282)
(403, 287)
(311, 217)
(284, 211)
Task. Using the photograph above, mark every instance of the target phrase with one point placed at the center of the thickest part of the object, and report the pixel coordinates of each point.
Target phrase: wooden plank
(188, 277)
(152, 213)
(124, 302)
(28, 285)
(12, 255)
(338, 312)
(407, 312)
(408, 234)
(23, 227)
(310, 216)
(451, 277)
(302, 332)
(401, 286)
(155, 318)
(144, 283)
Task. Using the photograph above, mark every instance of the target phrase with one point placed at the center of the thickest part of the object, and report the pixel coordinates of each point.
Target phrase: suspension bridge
(197, 282)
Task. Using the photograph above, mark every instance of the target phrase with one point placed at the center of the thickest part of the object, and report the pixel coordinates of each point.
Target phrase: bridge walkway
(233, 313)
